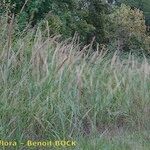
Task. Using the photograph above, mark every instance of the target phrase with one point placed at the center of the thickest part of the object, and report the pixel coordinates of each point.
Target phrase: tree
(97, 11)
(143, 5)
(127, 27)
(65, 17)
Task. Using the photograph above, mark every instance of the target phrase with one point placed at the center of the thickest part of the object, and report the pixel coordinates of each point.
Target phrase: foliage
(143, 5)
(64, 17)
(127, 26)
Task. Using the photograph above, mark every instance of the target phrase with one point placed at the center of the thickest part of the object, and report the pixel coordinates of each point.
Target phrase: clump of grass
(52, 89)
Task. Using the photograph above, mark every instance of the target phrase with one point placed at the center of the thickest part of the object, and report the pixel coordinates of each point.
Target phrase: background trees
(64, 16)
(127, 27)
(89, 18)
(143, 5)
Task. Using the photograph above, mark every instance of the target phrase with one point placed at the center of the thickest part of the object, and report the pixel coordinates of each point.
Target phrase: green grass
(51, 91)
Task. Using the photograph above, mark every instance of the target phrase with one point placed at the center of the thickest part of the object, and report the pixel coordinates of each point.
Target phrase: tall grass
(53, 89)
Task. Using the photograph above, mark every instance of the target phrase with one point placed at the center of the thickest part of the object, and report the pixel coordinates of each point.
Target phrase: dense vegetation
(75, 70)
(64, 17)
(94, 19)
(143, 5)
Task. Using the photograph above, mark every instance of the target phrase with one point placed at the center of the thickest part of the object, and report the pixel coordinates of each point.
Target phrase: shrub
(67, 17)
(128, 28)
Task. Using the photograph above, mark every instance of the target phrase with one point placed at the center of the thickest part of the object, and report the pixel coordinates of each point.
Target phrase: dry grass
(54, 90)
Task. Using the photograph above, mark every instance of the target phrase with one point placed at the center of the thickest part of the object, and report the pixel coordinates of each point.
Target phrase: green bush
(143, 5)
(66, 17)
(127, 28)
